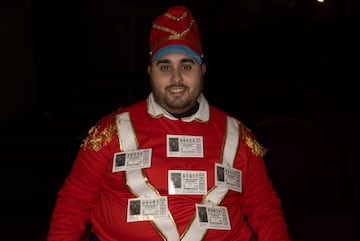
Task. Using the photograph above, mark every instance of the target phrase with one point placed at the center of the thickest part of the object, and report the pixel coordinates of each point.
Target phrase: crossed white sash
(140, 186)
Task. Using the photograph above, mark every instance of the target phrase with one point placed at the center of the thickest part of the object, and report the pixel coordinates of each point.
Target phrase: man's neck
(187, 113)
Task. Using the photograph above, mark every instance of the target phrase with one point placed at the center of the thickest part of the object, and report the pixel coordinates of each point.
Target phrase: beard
(176, 104)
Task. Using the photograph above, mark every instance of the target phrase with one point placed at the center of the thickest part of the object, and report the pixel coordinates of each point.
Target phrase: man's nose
(176, 75)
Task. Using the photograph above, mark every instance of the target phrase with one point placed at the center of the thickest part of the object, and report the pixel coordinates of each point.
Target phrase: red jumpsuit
(92, 190)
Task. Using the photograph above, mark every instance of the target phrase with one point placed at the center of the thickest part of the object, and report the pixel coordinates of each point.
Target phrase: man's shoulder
(249, 139)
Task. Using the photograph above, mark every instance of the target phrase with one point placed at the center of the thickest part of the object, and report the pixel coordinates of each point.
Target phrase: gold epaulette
(250, 141)
(96, 139)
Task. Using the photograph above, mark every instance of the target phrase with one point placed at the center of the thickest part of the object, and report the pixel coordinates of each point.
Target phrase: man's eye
(164, 67)
(186, 67)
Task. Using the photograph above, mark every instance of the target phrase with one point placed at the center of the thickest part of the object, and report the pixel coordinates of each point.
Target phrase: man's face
(176, 81)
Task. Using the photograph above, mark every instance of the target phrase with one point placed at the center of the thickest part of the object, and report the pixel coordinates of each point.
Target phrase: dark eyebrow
(163, 61)
(187, 60)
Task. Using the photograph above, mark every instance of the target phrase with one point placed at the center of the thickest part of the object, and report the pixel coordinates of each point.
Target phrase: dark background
(64, 64)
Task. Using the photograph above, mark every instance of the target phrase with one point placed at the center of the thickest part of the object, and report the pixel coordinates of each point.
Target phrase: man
(173, 143)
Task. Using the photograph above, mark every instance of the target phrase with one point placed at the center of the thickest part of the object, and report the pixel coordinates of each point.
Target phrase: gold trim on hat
(175, 17)
(173, 32)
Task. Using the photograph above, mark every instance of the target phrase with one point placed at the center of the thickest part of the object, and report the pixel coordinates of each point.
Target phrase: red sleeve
(81, 188)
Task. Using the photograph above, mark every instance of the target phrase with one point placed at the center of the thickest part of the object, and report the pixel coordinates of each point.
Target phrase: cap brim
(176, 48)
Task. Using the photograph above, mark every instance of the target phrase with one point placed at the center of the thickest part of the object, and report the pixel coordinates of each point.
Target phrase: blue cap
(177, 48)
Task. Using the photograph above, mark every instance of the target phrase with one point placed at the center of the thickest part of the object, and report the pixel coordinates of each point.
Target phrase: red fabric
(93, 191)
(176, 26)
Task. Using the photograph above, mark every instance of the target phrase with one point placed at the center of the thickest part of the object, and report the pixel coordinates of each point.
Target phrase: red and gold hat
(175, 31)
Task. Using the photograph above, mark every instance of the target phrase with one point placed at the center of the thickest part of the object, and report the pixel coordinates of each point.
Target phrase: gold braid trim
(173, 17)
(96, 140)
(172, 31)
(250, 141)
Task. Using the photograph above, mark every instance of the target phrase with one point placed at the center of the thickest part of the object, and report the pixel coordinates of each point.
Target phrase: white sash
(216, 194)
(136, 180)
(139, 185)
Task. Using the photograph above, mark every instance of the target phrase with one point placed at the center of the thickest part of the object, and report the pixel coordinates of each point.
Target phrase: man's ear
(149, 70)
(203, 68)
